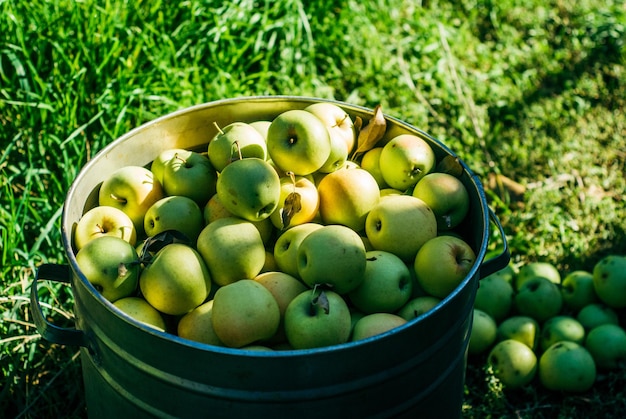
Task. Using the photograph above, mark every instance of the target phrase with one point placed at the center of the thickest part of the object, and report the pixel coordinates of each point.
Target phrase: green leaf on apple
(293, 205)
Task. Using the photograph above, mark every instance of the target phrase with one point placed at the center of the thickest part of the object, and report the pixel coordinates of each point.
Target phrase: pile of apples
(309, 230)
(535, 326)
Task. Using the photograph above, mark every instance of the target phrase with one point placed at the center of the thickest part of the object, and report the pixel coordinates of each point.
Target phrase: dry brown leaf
(293, 205)
(322, 301)
(373, 132)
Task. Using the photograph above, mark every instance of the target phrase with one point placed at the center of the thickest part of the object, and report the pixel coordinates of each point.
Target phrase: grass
(531, 94)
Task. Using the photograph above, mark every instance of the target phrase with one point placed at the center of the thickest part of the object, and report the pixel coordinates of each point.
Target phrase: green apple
(262, 126)
(483, 333)
(446, 195)
(287, 244)
(567, 366)
(133, 190)
(417, 306)
(404, 160)
(577, 290)
(333, 256)
(561, 328)
(442, 263)
(347, 196)
(609, 280)
(232, 249)
(299, 202)
(190, 174)
(524, 329)
(371, 162)
(284, 288)
(111, 265)
(140, 310)
(607, 346)
(214, 210)
(538, 298)
(495, 297)
(175, 212)
(596, 314)
(104, 221)
(317, 318)
(236, 141)
(244, 312)
(533, 269)
(386, 285)
(400, 224)
(390, 191)
(298, 142)
(375, 324)
(157, 167)
(337, 121)
(249, 188)
(176, 280)
(196, 325)
(337, 157)
(513, 363)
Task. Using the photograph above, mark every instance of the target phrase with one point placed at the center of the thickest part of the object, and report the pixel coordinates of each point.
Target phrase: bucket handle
(500, 261)
(49, 331)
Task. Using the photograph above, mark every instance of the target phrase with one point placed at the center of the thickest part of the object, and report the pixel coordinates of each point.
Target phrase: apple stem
(218, 128)
(292, 176)
(236, 145)
(100, 228)
(118, 199)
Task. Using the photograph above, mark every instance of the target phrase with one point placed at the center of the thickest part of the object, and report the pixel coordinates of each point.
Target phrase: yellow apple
(140, 310)
(298, 204)
(197, 325)
(104, 221)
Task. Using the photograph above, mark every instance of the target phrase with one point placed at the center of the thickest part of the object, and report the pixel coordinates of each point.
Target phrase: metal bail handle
(50, 332)
(502, 260)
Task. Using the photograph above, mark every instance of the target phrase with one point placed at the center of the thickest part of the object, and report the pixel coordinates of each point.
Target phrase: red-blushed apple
(400, 224)
(337, 121)
(347, 196)
(133, 190)
(236, 140)
(333, 256)
(244, 312)
(190, 174)
(567, 366)
(609, 280)
(404, 160)
(249, 188)
(375, 324)
(538, 298)
(513, 363)
(386, 285)
(140, 310)
(175, 212)
(104, 221)
(317, 318)
(232, 249)
(483, 333)
(442, 263)
(111, 265)
(607, 346)
(298, 142)
(561, 328)
(447, 196)
(176, 280)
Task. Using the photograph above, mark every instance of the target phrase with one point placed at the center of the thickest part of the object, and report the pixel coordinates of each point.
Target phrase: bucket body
(131, 370)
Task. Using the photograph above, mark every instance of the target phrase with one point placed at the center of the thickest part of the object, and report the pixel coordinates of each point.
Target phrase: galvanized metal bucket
(131, 370)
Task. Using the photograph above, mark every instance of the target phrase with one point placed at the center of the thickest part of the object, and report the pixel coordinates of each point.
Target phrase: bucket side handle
(49, 331)
(500, 261)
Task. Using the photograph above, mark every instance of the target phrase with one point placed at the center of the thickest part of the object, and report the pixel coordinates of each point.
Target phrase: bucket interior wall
(130, 369)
